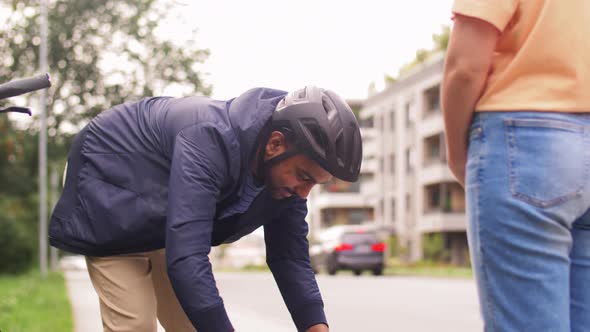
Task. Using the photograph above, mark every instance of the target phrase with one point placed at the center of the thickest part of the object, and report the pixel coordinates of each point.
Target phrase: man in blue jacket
(152, 185)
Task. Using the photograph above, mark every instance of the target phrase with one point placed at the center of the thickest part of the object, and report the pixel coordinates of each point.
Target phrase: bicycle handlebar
(19, 87)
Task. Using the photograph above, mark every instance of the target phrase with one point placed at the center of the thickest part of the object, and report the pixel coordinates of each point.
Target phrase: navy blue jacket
(176, 173)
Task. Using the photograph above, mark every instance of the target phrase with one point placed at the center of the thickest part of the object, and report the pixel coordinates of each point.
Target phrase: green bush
(16, 251)
(434, 249)
(396, 248)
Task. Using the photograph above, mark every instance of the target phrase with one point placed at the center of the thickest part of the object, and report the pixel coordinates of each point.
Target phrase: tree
(389, 80)
(101, 53)
(440, 40)
(17, 197)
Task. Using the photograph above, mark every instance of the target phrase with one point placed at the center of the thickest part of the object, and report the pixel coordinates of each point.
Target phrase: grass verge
(394, 268)
(427, 269)
(31, 304)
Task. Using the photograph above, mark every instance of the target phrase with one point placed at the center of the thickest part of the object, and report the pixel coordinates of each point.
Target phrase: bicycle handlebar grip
(18, 87)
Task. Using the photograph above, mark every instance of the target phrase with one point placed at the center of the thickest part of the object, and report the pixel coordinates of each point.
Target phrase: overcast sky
(286, 44)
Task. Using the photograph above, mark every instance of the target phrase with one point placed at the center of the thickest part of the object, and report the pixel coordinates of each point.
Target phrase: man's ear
(275, 145)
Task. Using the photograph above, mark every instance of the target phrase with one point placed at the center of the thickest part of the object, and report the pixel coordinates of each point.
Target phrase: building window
(433, 149)
(409, 160)
(346, 216)
(447, 205)
(432, 99)
(392, 209)
(327, 217)
(408, 114)
(408, 202)
(392, 121)
(367, 122)
(358, 216)
(380, 122)
(447, 197)
(434, 197)
(392, 165)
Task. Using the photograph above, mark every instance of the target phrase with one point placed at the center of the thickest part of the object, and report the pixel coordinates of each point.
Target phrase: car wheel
(357, 272)
(332, 270)
(378, 271)
(331, 265)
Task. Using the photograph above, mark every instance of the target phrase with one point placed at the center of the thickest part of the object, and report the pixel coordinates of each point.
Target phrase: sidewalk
(85, 307)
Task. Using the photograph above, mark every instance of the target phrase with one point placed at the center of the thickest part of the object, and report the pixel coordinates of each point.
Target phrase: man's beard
(277, 192)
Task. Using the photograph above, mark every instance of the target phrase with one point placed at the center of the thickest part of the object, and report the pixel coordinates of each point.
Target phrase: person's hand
(318, 328)
(457, 166)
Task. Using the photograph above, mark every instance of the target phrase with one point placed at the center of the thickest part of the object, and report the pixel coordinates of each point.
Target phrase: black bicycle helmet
(323, 127)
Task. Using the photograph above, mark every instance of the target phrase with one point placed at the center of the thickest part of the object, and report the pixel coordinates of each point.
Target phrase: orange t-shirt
(542, 59)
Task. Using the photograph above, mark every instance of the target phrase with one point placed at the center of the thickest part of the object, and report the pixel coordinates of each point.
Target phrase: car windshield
(353, 238)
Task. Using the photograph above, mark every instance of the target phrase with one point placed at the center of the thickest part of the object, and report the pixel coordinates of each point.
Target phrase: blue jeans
(528, 206)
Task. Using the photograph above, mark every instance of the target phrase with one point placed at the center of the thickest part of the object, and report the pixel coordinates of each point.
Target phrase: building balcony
(438, 221)
(445, 197)
(369, 188)
(369, 133)
(369, 165)
(341, 200)
(435, 172)
(431, 125)
(371, 148)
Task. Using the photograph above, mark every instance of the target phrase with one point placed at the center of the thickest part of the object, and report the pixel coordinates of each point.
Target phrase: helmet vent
(313, 132)
(281, 104)
(301, 94)
(340, 149)
(329, 107)
(355, 166)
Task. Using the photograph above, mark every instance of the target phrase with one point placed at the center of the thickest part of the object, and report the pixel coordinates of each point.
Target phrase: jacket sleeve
(287, 255)
(198, 171)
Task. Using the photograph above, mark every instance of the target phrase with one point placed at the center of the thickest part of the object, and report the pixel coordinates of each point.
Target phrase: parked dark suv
(345, 249)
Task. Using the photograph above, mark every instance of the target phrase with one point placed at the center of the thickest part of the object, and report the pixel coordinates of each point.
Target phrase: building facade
(405, 185)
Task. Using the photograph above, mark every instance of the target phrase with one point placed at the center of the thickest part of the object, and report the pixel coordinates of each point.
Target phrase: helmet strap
(265, 165)
(285, 155)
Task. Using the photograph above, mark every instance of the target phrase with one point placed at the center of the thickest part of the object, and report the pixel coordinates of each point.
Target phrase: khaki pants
(133, 290)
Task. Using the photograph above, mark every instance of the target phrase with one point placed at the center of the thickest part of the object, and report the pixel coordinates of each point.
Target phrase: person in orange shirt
(516, 105)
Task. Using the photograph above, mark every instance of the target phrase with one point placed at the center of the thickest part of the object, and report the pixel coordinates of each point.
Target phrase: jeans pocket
(547, 162)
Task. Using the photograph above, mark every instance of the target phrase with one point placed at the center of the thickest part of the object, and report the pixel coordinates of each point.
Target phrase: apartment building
(405, 185)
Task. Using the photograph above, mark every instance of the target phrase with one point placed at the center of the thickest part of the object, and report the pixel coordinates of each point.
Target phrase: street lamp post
(43, 148)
